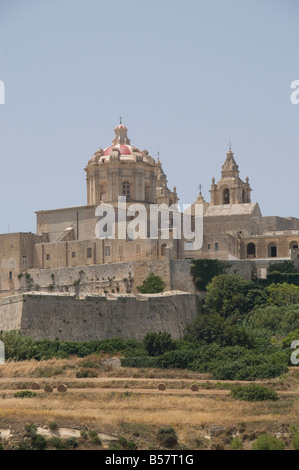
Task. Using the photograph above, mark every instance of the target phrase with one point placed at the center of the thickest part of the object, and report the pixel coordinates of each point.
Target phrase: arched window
(293, 245)
(251, 250)
(126, 189)
(272, 250)
(163, 249)
(226, 196)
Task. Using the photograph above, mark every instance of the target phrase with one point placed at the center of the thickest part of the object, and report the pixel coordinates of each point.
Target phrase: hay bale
(48, 388)
(194, 388)
(35, 386)
(162, 387)
(62, 388)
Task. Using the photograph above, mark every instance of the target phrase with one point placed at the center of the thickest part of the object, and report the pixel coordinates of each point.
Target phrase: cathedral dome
(121, 149)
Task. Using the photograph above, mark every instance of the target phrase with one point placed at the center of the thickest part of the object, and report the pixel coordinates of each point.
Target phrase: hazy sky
(186, 76)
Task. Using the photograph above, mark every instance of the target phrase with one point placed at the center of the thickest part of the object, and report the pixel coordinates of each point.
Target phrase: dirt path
(126, 379)
(143, 391)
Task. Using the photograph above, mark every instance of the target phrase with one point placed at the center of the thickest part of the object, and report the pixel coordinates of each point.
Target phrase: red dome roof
(120, 126)
(123, 149)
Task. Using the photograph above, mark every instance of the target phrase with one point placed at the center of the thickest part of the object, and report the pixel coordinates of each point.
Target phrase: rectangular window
(107, 250)
(48, 257)
(209, 246)
(73, 254)
(89, 253)
(10, 275)
(216, 246)
(24, 261)
(126, 189)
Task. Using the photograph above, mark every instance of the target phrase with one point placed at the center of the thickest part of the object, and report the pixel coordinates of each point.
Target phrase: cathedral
(233, 226)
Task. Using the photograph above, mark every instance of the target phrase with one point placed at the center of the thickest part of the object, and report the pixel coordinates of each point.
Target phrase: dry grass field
(124, 405)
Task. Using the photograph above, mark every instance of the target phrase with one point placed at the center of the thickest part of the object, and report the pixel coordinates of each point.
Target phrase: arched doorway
(251, 250)
(293, 245)
(226, 196)
(272, 250)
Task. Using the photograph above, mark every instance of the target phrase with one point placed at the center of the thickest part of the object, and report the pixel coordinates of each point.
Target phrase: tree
(158, 343)
(283, 294)
(204, 270)
(214, 328)
(152, 285)
(267, 442)
(231, 296)
(283, 267)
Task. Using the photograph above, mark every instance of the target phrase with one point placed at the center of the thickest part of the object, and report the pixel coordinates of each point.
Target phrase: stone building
(233, 226)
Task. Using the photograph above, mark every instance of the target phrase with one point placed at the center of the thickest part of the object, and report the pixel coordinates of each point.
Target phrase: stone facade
(68, 318)
(66, 241)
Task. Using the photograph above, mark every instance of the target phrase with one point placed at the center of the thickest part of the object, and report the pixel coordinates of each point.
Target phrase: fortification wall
(11, 310)
(67, 318)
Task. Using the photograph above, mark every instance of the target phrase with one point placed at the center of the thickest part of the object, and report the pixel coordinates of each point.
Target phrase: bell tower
(230, 189)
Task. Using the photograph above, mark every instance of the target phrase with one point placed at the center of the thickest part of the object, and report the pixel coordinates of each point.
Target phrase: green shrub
(57, 443)
(295, 441)
(128, 445)
(71, 443)
(232, 297)
(114, 446)
(204, 270)
(53, 426)
(280, 278)
(282, 267)
(236, 444)
(17, 347)
(253, 392)
(167, 437)
(95, 438)
(23, 445)
(31, 429)
(84, 373)
(158, 343)
(25, 394)
(283, 294)
(267, 442)
(83, 434)
(139, 361)
(278, 320)
(213, 328)
(39, 442)
(152, 285)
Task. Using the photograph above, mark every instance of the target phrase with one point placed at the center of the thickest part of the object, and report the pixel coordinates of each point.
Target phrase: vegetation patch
(253, 392)
(25, 394)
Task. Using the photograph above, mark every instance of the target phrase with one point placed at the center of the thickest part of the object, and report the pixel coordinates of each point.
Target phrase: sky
(187, 77)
